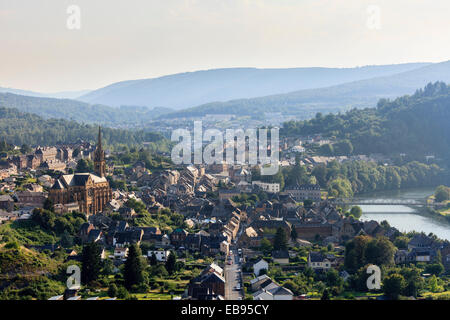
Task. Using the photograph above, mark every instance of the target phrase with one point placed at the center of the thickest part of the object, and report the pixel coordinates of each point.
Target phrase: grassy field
(25, 232)
(437, 296)
(153, 296)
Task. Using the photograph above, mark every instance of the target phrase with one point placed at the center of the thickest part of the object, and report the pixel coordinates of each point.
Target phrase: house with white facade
(161, 255)
(267, 187)
(259, 265)
(318, 261)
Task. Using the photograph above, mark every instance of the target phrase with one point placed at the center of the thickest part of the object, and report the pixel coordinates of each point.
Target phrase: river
(402, 217)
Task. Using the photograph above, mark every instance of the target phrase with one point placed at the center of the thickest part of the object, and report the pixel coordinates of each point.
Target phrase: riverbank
(436, 214)
(407, 218)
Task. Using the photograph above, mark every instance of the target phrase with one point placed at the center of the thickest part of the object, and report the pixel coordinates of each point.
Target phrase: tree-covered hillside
(24, 128)
(190, 89)
(305, 103)
(417, 124)
(80, 111)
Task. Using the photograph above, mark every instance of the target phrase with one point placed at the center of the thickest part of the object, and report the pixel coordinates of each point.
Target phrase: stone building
(304, 192)
(91, 191)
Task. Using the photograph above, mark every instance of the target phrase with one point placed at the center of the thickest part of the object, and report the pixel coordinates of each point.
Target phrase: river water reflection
(404, 218)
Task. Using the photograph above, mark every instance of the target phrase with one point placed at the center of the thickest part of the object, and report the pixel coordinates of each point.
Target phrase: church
(91, 191)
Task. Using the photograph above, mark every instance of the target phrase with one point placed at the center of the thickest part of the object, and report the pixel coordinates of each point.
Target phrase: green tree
(363, 250)
(434, 284)
(414, 281)
(340, 187)
(354, 253)
(442, 193)
(113, 291)
(91, 262)
(24, 149)
(393, 285)
(108, 267)
(356, 212)
(380, 251)
(48, 204)
(325, 295)
(66, 239)
(435, 269)
(122, 293)
(294, 234)
(401, 242)
(333, 279)
(266, 246)
(280, 241)
(171, 263)
(343, 148)
(326, 149)
(133, 272)
(84, 166)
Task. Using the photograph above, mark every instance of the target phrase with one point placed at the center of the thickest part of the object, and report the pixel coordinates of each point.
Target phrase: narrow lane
(233, 278)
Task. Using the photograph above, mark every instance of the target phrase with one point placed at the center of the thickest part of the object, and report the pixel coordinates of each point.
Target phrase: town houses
(222, 220)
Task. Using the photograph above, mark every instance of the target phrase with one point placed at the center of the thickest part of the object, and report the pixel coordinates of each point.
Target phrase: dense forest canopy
(354, 177)
(23, 128)
(410, 124)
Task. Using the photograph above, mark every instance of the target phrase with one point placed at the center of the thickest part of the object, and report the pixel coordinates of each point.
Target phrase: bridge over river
(381, 202)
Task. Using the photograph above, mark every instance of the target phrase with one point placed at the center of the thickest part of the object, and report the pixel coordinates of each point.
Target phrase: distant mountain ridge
(190, 89)
(305, 103)
(58, 95)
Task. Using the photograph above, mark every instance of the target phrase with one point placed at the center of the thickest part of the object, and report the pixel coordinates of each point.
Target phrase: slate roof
(304, 187)
(421, 240)
(280, 254)
(316, 256)
(77, 179)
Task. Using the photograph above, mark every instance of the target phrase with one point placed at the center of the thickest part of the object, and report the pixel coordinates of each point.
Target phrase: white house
(267, 187)
(161, 255)
(318, 261)
(120, 253)
(259, 265)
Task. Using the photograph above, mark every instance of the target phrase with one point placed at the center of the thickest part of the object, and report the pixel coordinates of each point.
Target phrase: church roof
(58, 185)
(77, 179)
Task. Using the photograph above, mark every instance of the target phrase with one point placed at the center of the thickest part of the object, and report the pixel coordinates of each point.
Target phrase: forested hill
(24, 128)
(417, 124)
(338, 98)
(80, 111)
(190, 89)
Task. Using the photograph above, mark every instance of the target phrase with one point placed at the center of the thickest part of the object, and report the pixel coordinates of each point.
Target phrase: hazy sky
(122, 40)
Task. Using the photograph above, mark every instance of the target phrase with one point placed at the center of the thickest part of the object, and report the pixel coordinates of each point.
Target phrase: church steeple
(99, 157)
(99, 141)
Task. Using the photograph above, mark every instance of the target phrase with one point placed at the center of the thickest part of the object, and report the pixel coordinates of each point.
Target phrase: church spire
(99, 156)
(99, 141)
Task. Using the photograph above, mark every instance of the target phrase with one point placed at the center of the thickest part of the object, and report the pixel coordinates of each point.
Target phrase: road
(233, 276)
